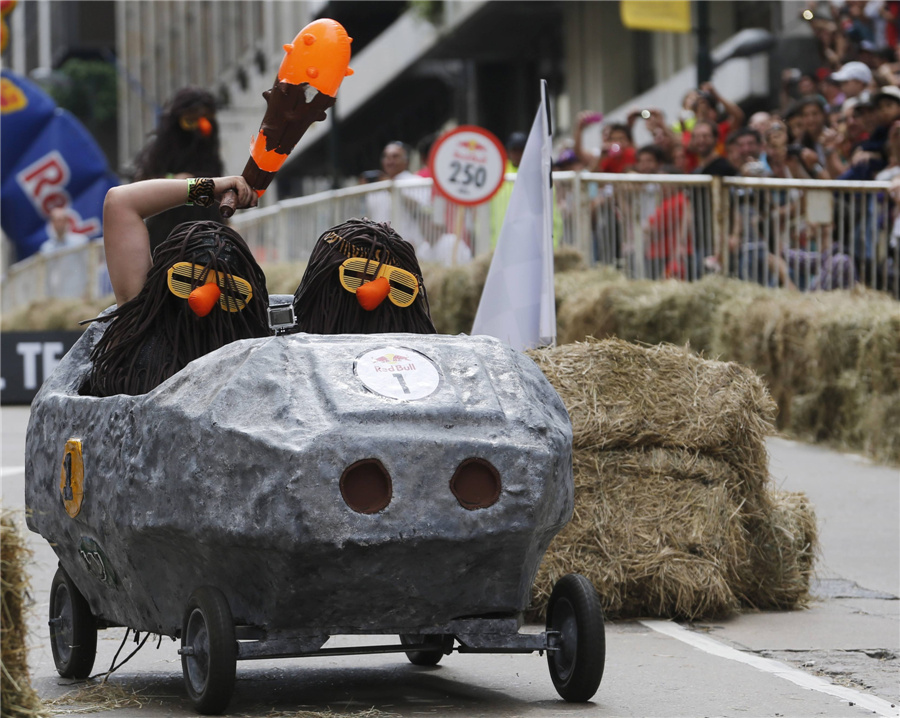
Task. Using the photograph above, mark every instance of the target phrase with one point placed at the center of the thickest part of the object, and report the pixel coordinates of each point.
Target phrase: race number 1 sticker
(468, 165)
(398, 373)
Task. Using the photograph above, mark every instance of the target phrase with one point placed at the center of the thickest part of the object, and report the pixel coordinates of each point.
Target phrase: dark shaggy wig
(172, 149)
(323, 306)
(156, 334)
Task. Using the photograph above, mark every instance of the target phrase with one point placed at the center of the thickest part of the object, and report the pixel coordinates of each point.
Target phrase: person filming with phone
(616, 154)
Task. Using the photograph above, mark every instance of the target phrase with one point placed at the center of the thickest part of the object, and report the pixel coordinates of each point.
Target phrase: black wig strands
(156, 334)
(323, 306)
(173, 149)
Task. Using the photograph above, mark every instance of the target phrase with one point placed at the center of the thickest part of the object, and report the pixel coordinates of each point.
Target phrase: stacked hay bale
(454, 292)
(54, 314)
(674, 515)
(651, 311)
(18, 698)
(831, 360)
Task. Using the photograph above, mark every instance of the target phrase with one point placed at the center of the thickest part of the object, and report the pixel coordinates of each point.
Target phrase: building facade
(420, 66)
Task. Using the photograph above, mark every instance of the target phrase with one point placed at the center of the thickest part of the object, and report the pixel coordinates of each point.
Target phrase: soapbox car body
(279, 491)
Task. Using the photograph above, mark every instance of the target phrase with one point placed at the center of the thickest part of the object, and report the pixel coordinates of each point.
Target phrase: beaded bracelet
(200, 192)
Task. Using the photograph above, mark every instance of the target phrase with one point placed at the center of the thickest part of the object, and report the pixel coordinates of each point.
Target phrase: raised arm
(735, 113)
(588, 158)
(125, 236)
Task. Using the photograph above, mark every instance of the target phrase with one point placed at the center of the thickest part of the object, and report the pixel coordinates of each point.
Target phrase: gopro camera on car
(282, 317)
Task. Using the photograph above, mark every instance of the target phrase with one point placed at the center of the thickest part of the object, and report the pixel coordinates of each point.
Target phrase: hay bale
(879, 426)
(858, 331)
(18, 698)
(806, 344)
(574, 289)
(620, 395)
(783, 548)
(673, 511)
(648, 311)
(567, 259)
(580, 315)
(655, 531)
(833, 412)
(768, 330)
(454, 292)
(54, 314)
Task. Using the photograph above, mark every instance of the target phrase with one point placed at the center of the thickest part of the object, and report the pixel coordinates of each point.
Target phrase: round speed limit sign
(468, 165)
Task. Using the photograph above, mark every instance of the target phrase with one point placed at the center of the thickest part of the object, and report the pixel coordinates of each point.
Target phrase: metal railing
(808, 234)
(74, 273)
(440, 230)
(805, 234)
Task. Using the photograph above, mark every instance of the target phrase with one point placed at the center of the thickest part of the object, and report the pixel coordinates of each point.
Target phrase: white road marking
(782, 670)
(11, 471)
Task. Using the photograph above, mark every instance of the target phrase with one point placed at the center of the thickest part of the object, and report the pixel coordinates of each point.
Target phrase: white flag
(517, 304)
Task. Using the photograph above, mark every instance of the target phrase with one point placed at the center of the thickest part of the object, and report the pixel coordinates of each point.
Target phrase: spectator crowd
(837, 121)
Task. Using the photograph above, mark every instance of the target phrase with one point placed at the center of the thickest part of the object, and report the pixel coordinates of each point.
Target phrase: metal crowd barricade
(647, 226)
(808, 234)
(812, 234)
(804, 234)
(73, 273)
(440, 230)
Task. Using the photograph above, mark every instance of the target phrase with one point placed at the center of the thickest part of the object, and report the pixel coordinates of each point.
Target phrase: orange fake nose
(205, 127)
(371, 294)
(204, 298)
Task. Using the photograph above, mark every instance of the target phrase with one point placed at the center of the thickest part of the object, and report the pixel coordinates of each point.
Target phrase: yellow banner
(658, 15)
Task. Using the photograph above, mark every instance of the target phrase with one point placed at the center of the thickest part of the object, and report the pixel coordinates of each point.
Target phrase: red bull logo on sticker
(391, 358)
(393, 363)
(404, 375)
(471, 151)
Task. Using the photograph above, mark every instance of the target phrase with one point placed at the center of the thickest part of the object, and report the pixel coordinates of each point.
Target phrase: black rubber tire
(208, 630)
(574, 610)
(73, 628)
(424, 658)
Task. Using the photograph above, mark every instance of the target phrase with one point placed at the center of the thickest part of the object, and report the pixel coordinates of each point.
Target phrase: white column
(45, 38)
(18, 41)
(124, 91)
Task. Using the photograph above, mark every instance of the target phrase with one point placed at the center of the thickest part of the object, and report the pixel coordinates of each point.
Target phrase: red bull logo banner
(47, 160)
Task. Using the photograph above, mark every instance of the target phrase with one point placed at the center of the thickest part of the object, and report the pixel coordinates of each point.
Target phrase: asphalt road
(840, 657)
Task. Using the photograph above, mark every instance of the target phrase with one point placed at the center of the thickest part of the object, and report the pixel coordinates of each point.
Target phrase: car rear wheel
(426, 658)
(73, 628)
(208, 650)
(574, 612)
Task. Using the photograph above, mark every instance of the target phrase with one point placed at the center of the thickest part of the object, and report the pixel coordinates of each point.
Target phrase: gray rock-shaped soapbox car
(279, 491)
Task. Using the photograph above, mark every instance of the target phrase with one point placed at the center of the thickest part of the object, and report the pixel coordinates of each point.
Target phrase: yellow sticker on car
(71, 478)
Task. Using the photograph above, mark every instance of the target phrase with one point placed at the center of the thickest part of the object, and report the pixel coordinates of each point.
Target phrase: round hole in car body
(366, 486)
(476, 484)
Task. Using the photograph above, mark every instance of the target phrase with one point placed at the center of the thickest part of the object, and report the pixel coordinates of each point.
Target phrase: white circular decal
(398, 373)
(468, 165)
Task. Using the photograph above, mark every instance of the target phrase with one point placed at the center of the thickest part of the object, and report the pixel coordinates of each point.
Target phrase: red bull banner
(47, 160)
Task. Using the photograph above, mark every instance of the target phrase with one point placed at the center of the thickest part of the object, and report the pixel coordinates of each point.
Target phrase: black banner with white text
(26, 359)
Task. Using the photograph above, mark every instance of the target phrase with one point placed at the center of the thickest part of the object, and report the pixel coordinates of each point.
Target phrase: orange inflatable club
(314, 65)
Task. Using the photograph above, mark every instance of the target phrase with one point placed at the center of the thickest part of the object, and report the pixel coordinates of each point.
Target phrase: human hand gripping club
(313, 68)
